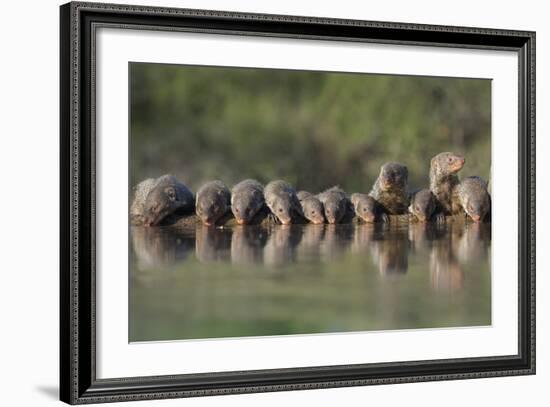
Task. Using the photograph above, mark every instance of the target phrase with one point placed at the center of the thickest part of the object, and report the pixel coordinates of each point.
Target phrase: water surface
(205, 282)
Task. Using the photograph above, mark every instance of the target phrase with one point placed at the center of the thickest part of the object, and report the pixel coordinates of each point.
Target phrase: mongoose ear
(433, 163)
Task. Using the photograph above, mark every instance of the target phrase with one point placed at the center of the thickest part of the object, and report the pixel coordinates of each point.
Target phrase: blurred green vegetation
(313, 129)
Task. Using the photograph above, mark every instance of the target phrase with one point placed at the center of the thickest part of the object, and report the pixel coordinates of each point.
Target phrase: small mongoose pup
(282, 200)
(423, 205)
(443, 182)
(155, 199)
(336, 204)
(474, 198)
(247, 198)
(213, 202)
(367, 209)
(312, 208)
(391, 188)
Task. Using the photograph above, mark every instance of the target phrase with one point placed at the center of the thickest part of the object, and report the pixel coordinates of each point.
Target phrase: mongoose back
(282, 200)
(303, 195)
(155, 199)
(247, 198)
(366, 208)
(422, 205)
(474, 198)
(390, 188)
(443, 181)
(213, 202)
(336, 204)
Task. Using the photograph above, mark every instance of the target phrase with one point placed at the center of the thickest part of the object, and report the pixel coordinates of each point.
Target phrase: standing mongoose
(336, 204)
(282, 200)
(422, 205)
(390, 188)
(247, 198)
(312, 208)
(474, 198)
(213, 202)
(155, 199)
(443, 182)
(367, 208)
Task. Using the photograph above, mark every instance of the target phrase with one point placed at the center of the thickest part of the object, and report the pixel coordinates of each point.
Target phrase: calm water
(254, 281)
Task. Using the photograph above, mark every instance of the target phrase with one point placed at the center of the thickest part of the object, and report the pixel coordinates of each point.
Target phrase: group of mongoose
(155, 199)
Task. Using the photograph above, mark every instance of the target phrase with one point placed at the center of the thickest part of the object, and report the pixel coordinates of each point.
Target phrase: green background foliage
(313, 129)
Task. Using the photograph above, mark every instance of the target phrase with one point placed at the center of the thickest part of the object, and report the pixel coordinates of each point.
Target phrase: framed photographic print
(256, 203)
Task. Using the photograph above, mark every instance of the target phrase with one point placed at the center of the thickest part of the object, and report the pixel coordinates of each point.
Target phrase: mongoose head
(246, 204)
(313, 210)
(474, 198)
(281, 209)
(160, 202)
(447, 163)
(365, 207)
(422, 205)
(393, 176)
(212, 202)
(335, 208)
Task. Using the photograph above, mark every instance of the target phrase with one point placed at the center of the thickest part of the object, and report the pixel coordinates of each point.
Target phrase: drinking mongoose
(312, 207)
(474, 198)
(213, 202)
(390, 188)
(155, 199)
(443, 182)
(283, 202)
(336, 204)
(422, 205)
(367, 208)
(247, 198)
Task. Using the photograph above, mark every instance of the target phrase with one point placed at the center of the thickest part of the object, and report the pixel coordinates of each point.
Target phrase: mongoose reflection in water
(474, 198)
(391, 189)
(422, 205)
(283, 202)
(247, 245)
(155, 199)
(443, 183)
(312, 207)
(213, 202)
(213, 244)
(336, 204)
(247, 198)
(367, 208)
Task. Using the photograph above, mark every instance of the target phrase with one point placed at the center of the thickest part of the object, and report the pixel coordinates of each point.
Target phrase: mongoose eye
(280, 209)
(417, 208)
(313, 212)
(237, 210)
(450, 159)
(364, 209)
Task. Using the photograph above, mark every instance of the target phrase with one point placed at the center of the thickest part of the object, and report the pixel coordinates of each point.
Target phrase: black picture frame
(78, 382)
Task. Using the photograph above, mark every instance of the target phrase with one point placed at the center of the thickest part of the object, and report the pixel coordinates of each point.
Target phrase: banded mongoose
(367, 208)
(213, 202)
(422, 205)
(247, 198)
(336, 204)
(391, 188)
(474, 198)
(312, 207)
(283, 202)
(443, 182)
(155, 199)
